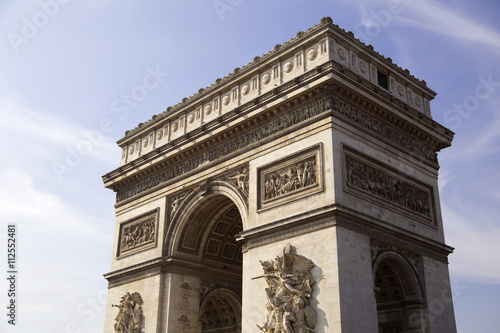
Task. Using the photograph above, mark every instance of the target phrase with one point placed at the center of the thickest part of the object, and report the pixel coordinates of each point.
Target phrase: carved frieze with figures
(382, 182)
(138, 234)
(291, 178)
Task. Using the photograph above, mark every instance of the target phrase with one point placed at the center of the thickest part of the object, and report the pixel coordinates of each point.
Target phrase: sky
(67, 70)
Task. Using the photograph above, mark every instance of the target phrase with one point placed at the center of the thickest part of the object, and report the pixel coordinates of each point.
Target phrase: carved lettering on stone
(289, 293)
(130, 318)
(380, 184)
(138, 234)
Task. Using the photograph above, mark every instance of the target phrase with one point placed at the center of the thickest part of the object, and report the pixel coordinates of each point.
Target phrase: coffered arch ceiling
(211, 230)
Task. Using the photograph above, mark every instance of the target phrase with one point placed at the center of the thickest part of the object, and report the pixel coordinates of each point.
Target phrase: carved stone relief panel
(289, 293)
(239, 178)
(130, 318)
(291, 178)
(138, 234)
(371, 179)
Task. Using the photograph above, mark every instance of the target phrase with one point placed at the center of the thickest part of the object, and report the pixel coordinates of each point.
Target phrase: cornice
(323, 29)
(337, 215)
(171, 265)
(375, 101)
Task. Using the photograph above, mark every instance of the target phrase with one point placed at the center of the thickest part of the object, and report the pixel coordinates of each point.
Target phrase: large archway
(206, 231)
(400, 305)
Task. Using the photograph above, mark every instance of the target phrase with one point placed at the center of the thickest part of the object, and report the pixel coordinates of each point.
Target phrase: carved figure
(138, 234)
(240, 179)
(378, 183)
(130, 317)
(177, 201)
(290, 178)
(289, 294)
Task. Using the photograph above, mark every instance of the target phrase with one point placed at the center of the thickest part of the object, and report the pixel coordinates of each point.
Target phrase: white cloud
(57, 247)
(437, 18)
(64, 241)
(475, 239)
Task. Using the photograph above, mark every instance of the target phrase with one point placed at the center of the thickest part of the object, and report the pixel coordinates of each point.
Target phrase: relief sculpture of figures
(138, 234)
(290, 178)
(240, 179)
(289, 294)
(130, 318)
(378, 183)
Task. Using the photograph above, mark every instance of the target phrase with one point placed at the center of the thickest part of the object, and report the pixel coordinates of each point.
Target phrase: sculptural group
(289, 293)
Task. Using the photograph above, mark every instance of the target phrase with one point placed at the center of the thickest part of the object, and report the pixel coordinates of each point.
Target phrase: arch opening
(400, 307)
(206, 235)
(221, 313)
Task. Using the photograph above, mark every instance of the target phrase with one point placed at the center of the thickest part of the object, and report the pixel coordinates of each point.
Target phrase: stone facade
(321, 147)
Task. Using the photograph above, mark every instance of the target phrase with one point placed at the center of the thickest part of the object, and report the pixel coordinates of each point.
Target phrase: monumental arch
(297, 194)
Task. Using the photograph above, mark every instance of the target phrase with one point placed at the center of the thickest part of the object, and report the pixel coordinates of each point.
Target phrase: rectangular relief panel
(138, 234)
(385, 186)
(290, 178)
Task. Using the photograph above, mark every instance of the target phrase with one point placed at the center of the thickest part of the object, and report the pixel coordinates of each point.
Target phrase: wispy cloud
(444, 20)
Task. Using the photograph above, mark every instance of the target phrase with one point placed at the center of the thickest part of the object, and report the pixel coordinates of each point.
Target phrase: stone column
(181, 304)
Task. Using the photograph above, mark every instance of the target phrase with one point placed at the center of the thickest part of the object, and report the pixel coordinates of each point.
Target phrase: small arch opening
(400, 307)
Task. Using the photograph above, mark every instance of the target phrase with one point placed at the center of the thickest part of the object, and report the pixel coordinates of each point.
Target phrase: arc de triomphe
(297, 194)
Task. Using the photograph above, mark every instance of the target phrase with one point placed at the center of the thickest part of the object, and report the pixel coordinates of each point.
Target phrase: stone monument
(297, 194)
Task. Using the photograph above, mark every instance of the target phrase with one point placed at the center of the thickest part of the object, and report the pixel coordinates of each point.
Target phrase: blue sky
(68, 68)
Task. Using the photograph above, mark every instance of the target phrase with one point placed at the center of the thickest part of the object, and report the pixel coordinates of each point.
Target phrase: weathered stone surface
(303, 146)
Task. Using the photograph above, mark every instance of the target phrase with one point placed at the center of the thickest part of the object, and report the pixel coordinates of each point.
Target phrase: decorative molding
(291, 178)
(377, 248)
(138, 234)
(278, 125)
(289, 293)
(365, 176)
(377, 127)
(130, 319)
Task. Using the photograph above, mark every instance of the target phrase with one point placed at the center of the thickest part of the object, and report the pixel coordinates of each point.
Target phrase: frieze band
(280, 124)
(381, 128)
(380, 184)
